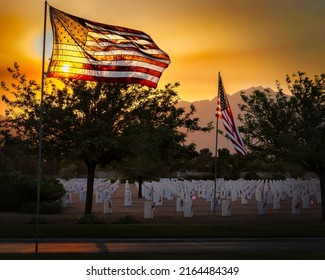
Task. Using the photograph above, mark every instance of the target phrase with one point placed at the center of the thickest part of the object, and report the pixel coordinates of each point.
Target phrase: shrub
(278, 176)
(91, 219)
(51, 190)
(68, 172)
(127, 219)
(251, 176)
(41, 220)
(16, 191)
(28, 207)
(51, 207)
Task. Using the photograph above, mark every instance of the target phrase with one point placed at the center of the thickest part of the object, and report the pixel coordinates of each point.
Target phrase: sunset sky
(251, 42)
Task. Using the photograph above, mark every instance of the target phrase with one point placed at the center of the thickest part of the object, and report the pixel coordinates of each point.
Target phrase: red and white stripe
(107, 53)
(224, 112)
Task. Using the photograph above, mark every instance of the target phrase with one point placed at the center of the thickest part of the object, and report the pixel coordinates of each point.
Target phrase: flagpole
(216, 153)
(39, 164)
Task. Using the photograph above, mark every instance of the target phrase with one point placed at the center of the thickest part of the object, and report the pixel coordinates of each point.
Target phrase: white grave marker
(225, 208)
(295, 206)
(148, 209)
(188, 209)
(108, 206)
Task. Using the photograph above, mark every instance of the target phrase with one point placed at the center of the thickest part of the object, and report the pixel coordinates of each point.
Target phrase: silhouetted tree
(153, 142)
(94, 122)
(289, 127)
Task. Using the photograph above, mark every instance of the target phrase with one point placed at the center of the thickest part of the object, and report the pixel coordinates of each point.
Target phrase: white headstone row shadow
(302, 193)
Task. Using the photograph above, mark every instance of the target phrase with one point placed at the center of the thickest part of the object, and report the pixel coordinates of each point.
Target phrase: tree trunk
(91, 167)
(140, 180)
(321, 176)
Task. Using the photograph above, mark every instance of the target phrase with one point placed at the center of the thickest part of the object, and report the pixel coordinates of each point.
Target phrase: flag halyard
(87, 50)
(224, 112)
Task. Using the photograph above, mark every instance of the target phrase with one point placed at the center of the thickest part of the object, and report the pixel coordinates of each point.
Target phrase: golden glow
(251, 43)
(65, 68)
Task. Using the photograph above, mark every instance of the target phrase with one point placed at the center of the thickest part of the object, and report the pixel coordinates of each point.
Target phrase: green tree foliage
(16, 190)
(229, 165)
(205, 161)
(5, 164)
(98, 123)
(153, 142)
(289, 127)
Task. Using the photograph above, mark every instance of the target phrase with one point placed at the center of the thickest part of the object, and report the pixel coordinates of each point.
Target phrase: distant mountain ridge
(205, 111)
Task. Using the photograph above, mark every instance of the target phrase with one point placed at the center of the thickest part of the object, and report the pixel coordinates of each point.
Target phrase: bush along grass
(18, 193)
(47, 207)
(91, 219)
(127, 219)
(41, 220)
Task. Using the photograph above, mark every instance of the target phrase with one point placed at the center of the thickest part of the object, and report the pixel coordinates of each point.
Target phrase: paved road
(163, 245)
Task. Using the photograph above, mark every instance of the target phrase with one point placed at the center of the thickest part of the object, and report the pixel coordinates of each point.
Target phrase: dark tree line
(289, 128)
(138, 129)
(99, 124)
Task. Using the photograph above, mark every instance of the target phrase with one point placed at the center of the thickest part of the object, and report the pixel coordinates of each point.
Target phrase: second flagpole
(216, 152)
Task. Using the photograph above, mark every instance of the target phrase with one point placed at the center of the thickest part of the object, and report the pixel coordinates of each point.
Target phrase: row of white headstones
(303, 193)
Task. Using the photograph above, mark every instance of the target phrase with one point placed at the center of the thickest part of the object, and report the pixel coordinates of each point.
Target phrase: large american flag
(87, 50)
(224, 112)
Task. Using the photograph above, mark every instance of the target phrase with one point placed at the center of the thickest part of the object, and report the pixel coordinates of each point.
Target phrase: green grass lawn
(316, 229)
